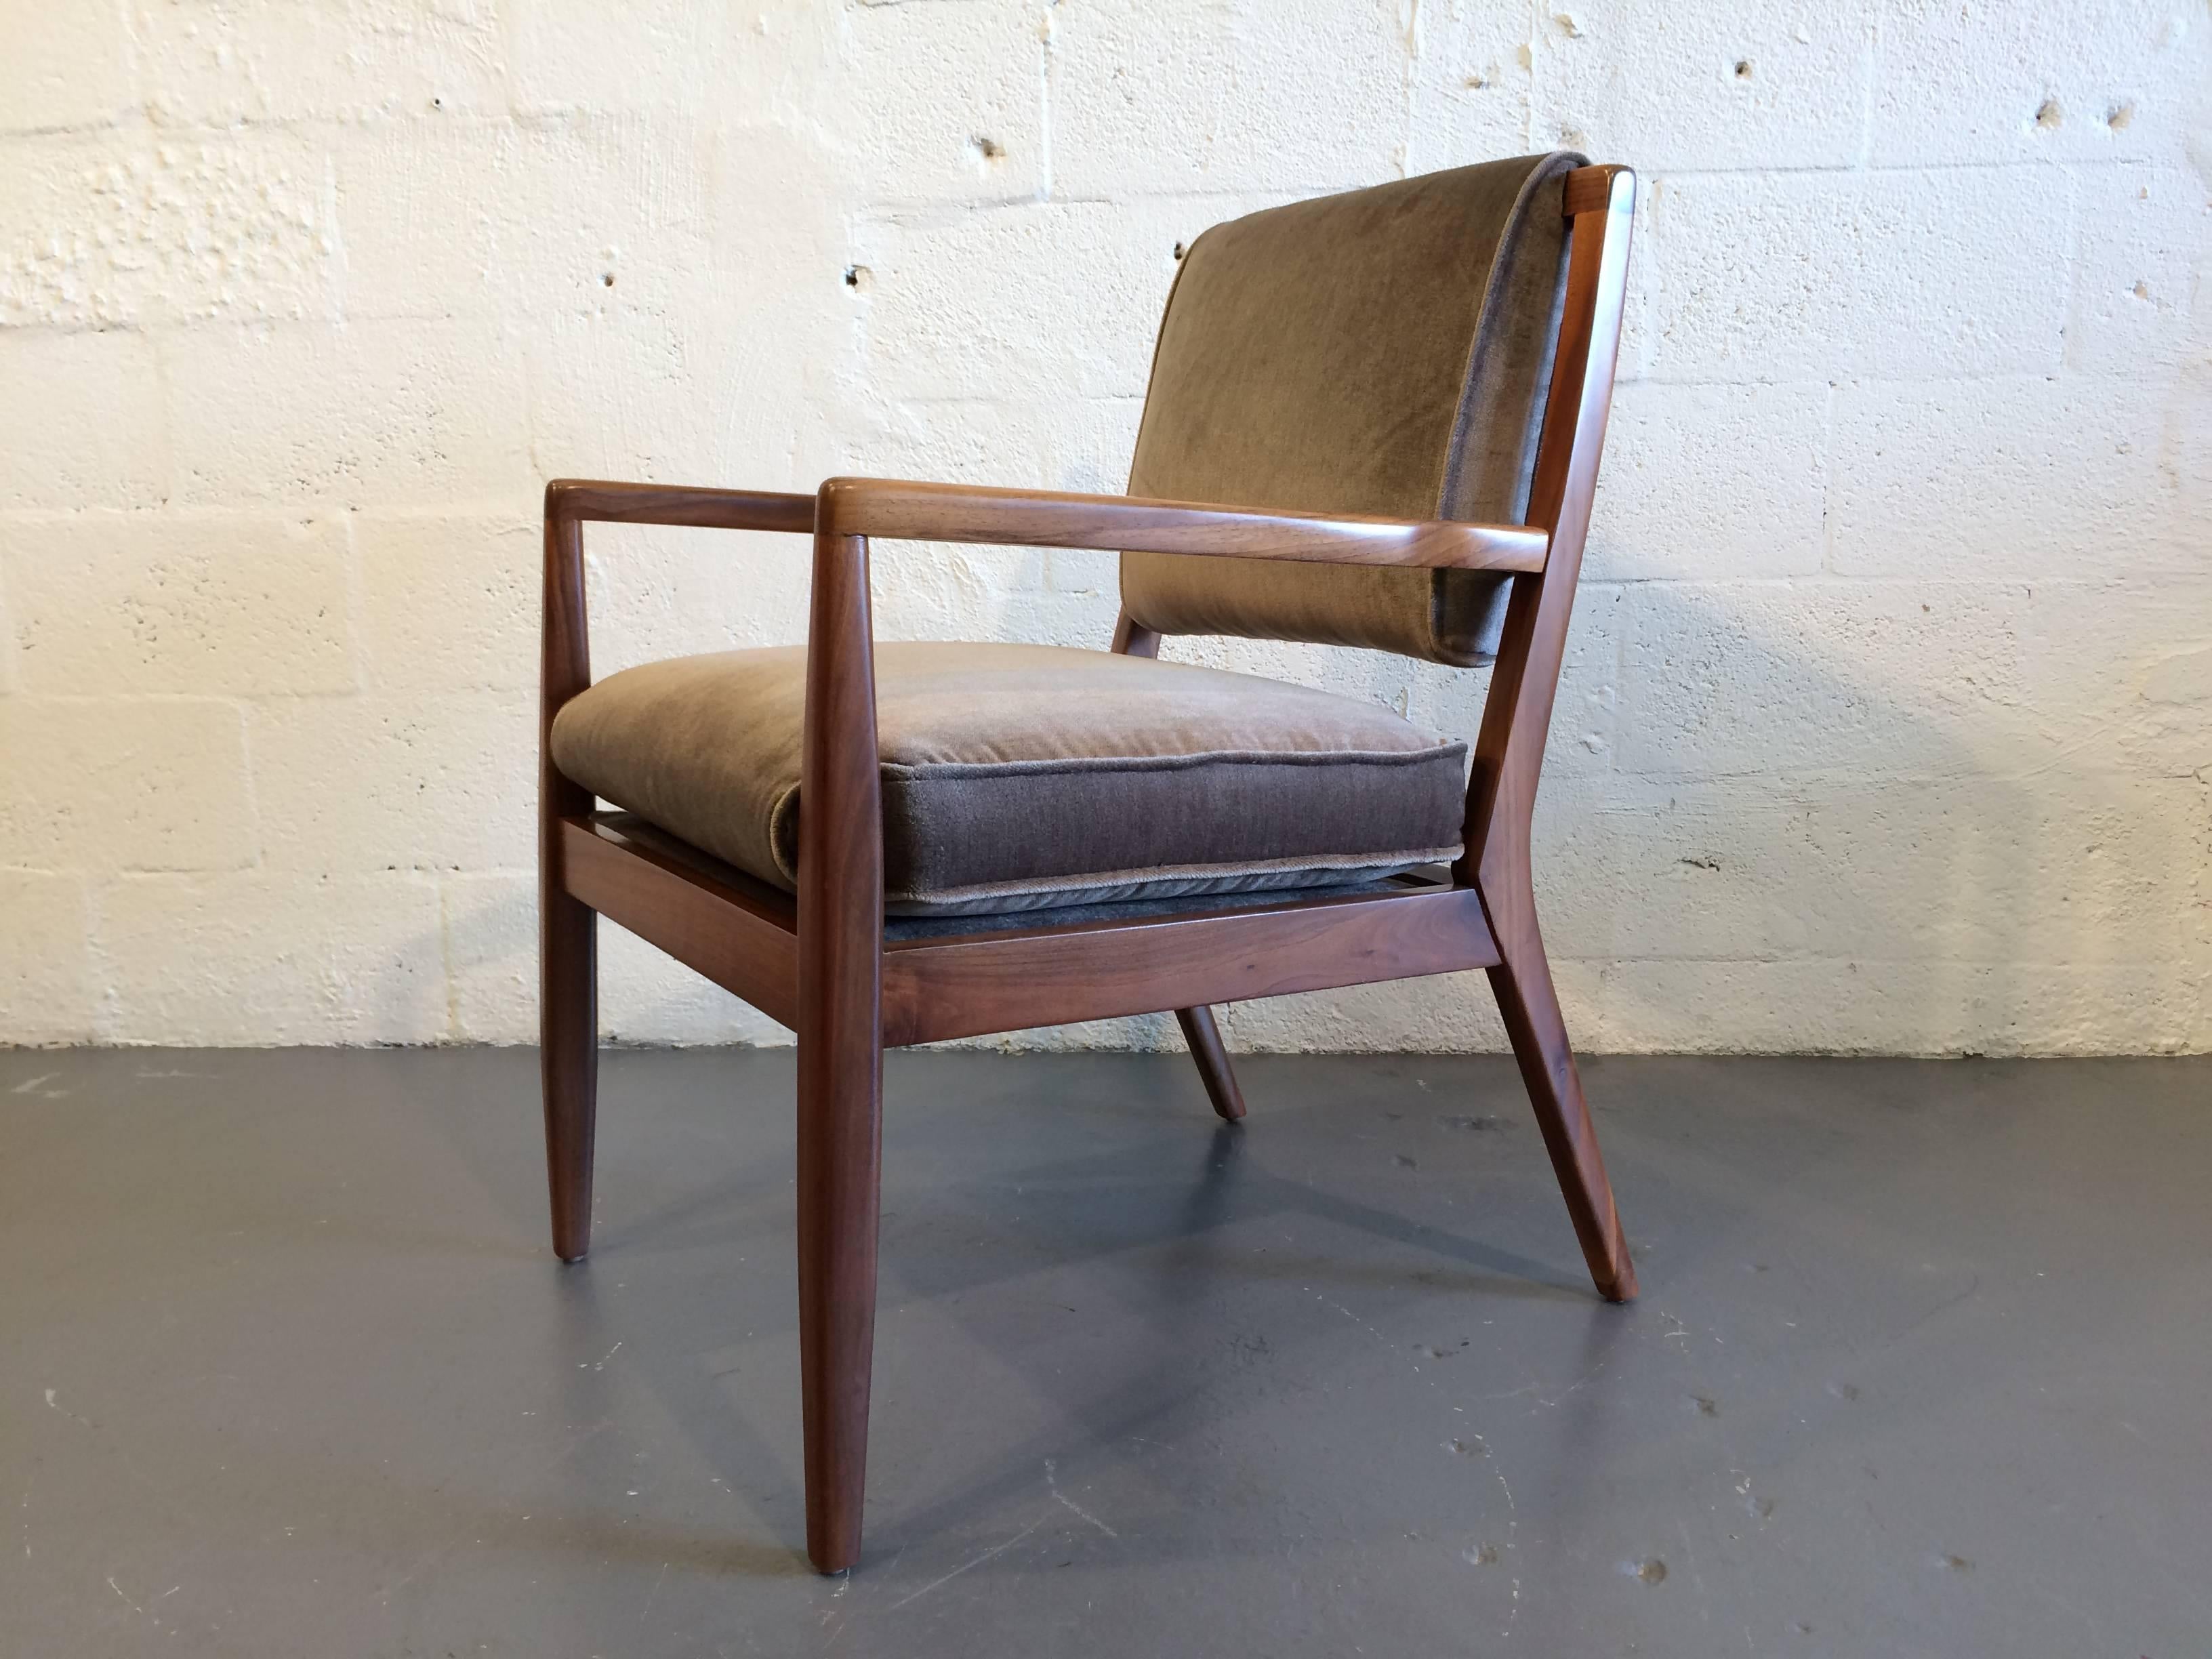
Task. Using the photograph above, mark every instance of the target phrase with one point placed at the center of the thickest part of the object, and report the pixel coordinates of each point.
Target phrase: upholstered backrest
(1385, 351)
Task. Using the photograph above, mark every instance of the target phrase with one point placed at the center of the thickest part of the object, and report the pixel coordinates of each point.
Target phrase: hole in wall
(989, 148)
(2117, 117)
(1180, 249)
(858, 277)
(1743, 69)
(2049, 115)
(606, 279)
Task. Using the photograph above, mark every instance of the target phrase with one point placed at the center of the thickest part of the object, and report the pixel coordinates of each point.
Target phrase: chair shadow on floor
(1151, 1209)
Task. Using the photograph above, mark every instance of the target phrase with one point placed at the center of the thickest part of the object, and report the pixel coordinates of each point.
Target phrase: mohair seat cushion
(1021, 776)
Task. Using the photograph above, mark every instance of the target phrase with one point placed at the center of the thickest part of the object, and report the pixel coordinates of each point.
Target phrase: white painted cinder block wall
(1889, 720)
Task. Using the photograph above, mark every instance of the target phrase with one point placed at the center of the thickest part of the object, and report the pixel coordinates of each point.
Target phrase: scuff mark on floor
(1512, 1539)
(995, 1549)
(1053, 1486)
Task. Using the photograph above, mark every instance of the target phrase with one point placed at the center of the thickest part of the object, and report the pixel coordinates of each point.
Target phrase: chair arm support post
(841, 787)
(564, 668)
(840, 1035)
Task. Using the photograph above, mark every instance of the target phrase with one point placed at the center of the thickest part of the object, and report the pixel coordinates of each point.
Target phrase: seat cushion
(1020, 777)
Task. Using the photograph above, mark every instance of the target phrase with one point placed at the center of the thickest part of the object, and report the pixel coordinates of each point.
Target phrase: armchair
(880, 846)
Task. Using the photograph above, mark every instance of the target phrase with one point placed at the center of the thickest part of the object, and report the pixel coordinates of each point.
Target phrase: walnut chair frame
(823, 966)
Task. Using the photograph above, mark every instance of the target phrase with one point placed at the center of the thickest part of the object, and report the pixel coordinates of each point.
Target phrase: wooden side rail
(716, 921)
(973, 985)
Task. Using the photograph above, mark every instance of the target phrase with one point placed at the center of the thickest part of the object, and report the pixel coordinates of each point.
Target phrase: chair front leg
(840, 935)
(568, 1060)
(568, 943)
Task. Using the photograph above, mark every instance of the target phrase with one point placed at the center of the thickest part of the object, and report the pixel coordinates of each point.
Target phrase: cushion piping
(1428, 757)
(937, 900)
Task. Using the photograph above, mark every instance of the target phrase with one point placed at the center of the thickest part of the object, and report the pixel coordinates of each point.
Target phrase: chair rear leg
(1523, 982)
(1213, 1069)
(569, 1058)
(840, 1174)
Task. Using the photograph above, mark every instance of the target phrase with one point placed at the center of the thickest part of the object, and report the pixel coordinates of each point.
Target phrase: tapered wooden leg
(1531, 1007)
(569, 1058)
(841, 1052)
(568, 931)
(1213, 1069)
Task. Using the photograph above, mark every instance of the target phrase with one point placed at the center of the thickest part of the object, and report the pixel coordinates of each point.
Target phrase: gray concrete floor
(1922, 1364)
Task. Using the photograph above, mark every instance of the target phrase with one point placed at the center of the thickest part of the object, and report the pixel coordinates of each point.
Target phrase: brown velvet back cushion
(1385, 351)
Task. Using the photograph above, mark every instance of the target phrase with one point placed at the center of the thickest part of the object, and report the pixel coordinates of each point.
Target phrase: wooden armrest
(574, 501)
(1031, 518)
